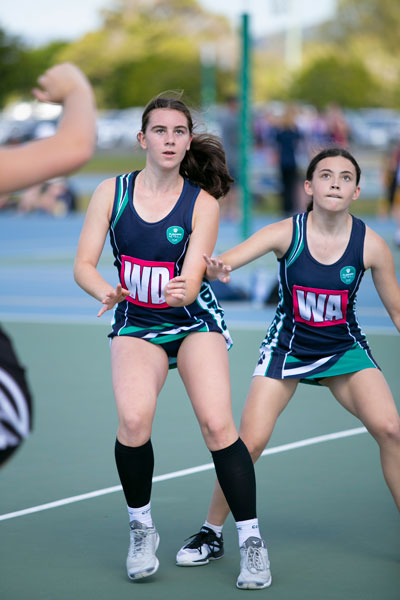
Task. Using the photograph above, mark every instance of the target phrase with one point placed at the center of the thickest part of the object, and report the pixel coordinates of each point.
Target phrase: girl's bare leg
(366, 395)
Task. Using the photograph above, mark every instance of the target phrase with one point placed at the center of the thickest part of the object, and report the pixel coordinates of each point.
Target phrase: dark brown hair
(327, 153)
(205, 162)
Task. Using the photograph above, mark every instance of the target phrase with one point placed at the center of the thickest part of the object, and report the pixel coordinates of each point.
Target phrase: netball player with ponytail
(161, 221)
(315, 336)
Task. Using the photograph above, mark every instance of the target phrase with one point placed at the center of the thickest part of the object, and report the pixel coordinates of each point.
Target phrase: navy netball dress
(315, 333)
(147, 255)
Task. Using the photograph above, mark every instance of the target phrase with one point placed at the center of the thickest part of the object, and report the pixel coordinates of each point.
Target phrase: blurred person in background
(23, 165)
(54, 197)
(287, 138)
(337, 128)
(391, 174)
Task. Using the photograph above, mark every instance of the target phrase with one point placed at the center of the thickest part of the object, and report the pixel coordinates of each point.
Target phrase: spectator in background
(287, 139)
(55, 197)
(230, 139)
(338, 130)
(58, 197)
(391, 173)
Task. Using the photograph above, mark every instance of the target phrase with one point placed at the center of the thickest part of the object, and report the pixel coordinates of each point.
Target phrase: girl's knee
(256, 444)
(392, 431)
(255, 451)
(133, 429)
(218, 434)
(387, 432)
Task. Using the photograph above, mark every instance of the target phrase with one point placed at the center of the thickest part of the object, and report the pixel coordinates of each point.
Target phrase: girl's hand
(175, 291)
(217, 269)
(112, 298)
(59, 82)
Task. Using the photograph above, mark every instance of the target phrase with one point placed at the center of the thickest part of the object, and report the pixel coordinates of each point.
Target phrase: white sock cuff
(248, 524)
(247, 529)
(141, 514)
(216, 528)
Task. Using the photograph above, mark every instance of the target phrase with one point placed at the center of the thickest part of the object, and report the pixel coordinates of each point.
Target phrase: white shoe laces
(255, 560)
(141, 542)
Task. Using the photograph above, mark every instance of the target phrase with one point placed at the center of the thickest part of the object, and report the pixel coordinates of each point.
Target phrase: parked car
(374, 127)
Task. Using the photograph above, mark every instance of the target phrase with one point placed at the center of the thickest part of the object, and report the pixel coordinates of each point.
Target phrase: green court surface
(331, 526)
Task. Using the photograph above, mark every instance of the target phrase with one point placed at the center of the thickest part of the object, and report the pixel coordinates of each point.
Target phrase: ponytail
(205, 165)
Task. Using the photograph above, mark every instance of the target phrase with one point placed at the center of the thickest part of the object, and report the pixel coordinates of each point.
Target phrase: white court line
(175, 474)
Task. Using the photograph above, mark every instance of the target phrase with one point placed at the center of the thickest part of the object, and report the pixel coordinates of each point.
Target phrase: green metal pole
(245, 128)
(208, 78)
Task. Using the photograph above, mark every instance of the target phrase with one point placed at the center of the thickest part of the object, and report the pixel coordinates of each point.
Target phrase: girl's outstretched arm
(378, 257)
(271, 238)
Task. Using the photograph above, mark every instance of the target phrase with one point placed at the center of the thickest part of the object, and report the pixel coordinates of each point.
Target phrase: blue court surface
(330, 523)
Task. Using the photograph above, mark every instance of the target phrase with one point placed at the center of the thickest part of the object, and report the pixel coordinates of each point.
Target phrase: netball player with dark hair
(315, 336)
(24, 165)
(161, 221)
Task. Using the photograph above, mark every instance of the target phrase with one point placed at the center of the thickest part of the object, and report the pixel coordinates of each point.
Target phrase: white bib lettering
(146, 280)
(319, 308)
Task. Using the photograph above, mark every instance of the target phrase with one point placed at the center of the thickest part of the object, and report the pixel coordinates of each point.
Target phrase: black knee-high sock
(135, 468)
(235, 472)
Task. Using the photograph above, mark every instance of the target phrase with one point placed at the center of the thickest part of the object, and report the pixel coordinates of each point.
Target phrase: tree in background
(20, 66)
(146, 46)
(14, 66)
(353, 60)
(369, 30)
(344, 80)
(378, 19)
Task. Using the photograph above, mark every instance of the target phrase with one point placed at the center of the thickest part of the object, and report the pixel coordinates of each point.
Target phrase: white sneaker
(142, 560)
(254, 573)
(205, 546)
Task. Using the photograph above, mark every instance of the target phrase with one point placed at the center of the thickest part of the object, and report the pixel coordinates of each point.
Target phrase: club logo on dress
(347, 274)
(175, 234)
